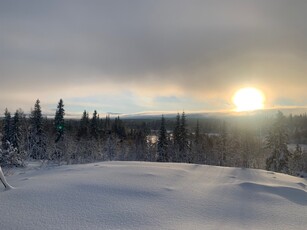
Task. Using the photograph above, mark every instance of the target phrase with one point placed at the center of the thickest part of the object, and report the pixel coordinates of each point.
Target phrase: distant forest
(255, 141)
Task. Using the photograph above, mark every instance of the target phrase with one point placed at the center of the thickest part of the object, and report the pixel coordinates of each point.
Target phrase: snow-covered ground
(138, 195)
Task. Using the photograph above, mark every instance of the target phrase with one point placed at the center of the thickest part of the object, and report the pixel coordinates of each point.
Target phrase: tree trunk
(3, 180)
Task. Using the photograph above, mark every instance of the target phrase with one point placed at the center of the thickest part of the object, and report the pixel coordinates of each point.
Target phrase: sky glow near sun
(248, 99)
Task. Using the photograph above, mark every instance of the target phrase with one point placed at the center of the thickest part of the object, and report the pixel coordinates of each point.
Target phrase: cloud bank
(146, 52)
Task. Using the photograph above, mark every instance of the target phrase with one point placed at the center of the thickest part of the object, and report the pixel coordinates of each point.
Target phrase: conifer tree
(37, 135)
(197, 147)
(176, 139)
(162, 143)
(277, 141)
(16, 130)
(59, 121)
(107, 124)
(223, 144)
(6, 130)
(296, 161)
(118, 128)
(183, 143)
(83, 130)
(177, 130)
(94, 125)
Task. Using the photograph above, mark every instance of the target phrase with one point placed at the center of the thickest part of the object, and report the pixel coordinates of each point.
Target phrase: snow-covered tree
(3, 180)
(11, 156)
(296, 161)
(277, 141)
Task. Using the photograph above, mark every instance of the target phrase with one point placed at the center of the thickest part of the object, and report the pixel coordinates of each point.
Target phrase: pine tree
(277, 141)
(162, 143)
(59, 121)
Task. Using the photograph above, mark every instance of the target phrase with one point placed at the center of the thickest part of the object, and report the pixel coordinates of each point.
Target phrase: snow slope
(138, 195)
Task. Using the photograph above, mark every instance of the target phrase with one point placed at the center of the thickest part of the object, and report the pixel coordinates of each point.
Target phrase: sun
(248, 99)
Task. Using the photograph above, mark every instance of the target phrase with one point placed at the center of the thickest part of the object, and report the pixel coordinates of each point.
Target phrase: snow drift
(138, 195)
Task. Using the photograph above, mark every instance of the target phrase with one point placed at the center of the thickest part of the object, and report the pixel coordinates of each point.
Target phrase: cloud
(203, 50)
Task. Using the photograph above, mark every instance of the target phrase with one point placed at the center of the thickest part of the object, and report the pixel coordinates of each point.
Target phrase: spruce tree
(177, 131)
(223, 145)
(94, 125)
(197, 150)
(83, 130)
(59, 121)
(277, 141)
(107, 124)
(183, 144)
(37, 135)
(162, 143)
(118, 128)
(6, 130)
(16, 130)
(296, 161)
(197, 133)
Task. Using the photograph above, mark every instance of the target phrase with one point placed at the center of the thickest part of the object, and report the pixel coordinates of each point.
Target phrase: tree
(83, 130)
(118, 128)
(162, 143)
(59, 121)
(59, 146)
(37, 135)
(296, 161)
(176, 139)
(277, 141)
(197, 148)
(12, 153)
(3, 180)
(16, 130)
(6, 130)
(94, 126)
(223, 144)
(183, 145)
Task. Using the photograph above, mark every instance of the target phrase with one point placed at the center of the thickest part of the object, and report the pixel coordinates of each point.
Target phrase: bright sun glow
(248, 99)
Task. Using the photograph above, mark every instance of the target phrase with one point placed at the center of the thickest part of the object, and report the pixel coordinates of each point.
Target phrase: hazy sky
(155, 55)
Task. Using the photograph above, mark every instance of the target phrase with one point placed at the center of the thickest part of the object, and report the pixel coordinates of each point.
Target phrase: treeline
(235, 142)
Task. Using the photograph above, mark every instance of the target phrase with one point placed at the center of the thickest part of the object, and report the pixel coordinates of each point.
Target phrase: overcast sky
(158, 55)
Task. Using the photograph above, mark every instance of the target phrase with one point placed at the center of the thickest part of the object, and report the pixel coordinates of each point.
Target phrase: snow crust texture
(139, 195)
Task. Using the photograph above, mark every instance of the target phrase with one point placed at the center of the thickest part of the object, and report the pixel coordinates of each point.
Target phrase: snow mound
(139, 195)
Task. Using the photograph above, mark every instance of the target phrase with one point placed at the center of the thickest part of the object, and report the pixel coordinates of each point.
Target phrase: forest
(251, 141)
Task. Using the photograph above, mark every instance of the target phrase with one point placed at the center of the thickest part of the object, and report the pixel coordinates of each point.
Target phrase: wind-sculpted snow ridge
(139, 195)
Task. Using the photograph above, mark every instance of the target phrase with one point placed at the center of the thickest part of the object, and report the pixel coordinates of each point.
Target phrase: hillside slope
(139, 195)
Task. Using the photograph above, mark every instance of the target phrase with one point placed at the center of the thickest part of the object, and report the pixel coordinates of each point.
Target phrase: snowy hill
(138, 195)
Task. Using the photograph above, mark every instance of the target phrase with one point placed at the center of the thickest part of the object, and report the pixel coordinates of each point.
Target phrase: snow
(139, 195)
